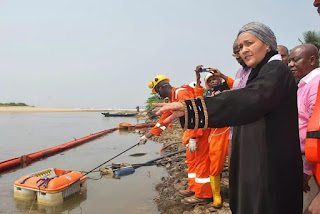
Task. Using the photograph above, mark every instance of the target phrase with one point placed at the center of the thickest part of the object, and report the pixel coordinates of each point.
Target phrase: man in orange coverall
(198, 184)
(218, 138)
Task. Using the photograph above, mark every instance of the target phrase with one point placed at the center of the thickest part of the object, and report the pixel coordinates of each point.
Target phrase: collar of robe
(255, 71)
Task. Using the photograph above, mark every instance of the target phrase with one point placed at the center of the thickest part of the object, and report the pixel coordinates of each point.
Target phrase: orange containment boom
(27, 159)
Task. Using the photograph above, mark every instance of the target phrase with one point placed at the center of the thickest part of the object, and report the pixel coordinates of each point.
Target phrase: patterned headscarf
(262, 32)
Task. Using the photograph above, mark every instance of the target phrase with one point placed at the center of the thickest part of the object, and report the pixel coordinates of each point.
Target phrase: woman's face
(252, 49)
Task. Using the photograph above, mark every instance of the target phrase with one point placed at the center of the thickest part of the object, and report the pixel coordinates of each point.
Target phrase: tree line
(13, 104)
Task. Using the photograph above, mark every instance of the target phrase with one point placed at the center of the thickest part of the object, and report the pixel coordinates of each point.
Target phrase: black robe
(266, 165)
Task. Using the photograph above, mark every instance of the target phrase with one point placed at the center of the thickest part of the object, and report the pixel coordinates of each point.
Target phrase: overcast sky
(102, 54)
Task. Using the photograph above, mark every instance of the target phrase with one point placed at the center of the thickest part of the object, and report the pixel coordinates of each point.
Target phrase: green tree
(152, 99)
(311, 37)
(13, 104)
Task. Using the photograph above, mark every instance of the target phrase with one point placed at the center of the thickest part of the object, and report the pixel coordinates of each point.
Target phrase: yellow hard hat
(155, 82)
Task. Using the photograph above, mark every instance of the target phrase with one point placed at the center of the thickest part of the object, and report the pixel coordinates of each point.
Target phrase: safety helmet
(152, 85)
(193, 84)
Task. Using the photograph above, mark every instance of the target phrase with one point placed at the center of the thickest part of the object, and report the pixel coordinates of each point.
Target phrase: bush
(152, 99)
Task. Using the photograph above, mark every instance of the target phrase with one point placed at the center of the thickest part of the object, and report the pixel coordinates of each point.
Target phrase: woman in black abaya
(266, 165)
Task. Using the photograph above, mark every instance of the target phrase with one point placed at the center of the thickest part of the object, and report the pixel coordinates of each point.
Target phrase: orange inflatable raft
(50, 186)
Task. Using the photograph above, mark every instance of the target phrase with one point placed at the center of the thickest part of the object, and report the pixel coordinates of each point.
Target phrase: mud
(168, 200)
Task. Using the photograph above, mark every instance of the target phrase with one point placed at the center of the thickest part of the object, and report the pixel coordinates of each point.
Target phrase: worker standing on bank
(215, 83)
(198, 184)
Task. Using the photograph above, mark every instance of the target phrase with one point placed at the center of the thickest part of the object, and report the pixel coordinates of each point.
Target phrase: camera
(201, 70)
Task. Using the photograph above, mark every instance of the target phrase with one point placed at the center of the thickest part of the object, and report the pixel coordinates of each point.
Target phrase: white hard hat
(206, 80)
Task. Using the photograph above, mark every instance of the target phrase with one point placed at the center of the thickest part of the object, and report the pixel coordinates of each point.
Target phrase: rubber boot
(185, 193)
(215, 186)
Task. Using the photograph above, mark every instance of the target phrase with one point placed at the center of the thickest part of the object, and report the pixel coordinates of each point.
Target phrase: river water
(24, 133)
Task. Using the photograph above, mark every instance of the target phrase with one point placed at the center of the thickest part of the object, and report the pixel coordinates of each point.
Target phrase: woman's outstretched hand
(176, 108)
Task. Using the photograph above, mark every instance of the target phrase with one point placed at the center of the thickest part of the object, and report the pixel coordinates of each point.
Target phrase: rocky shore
(168, 200)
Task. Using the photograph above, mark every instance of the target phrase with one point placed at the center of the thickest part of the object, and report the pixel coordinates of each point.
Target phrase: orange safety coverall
(201, 158)
(202, 164)
(218, 141)
(312, 145)
(190, 163)
(177, 95)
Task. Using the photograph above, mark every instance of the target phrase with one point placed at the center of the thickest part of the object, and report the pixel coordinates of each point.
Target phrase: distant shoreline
(29, 109)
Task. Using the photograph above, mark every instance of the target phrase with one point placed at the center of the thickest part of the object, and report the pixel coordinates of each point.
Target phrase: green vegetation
(152, 99)
(13, 104)
(311, 37)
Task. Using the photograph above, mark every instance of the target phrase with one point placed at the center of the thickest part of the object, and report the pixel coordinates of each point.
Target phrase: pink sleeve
(312, 97)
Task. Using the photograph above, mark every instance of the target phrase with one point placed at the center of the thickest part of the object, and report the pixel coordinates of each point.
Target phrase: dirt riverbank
(168, 200)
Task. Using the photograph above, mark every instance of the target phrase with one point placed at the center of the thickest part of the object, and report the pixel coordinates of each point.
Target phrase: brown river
(24, 133)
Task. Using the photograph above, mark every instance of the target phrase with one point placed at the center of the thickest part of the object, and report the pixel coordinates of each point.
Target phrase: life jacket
(312, 145)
